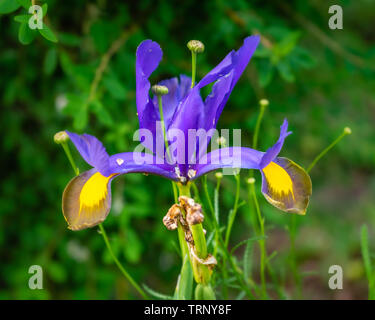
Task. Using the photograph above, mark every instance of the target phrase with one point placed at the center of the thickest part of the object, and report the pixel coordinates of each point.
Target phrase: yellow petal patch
(287, 186)
(86, 200)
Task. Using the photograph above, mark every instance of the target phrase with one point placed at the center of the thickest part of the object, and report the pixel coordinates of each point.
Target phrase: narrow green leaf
(184, 288)
(248, 260)
(47, 33)
(252, 239)
(44, 9)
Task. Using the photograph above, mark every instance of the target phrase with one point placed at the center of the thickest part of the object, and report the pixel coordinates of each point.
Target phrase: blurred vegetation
(320, 79)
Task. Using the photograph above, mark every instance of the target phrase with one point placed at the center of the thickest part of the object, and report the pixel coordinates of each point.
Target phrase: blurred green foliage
(320, 79)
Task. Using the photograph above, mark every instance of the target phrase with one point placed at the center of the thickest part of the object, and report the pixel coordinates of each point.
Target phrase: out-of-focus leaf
(285, 71)
(115, 87)
(102, 114)
(77, 108)
(23, 18)
(24, 3)
(44, 9)
(265, 71)
(47, 33)
(69, 39)
(25, 34)
(50, 61)
(8, 6)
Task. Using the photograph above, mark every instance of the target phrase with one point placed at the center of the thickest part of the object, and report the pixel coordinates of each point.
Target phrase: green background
(320, 79)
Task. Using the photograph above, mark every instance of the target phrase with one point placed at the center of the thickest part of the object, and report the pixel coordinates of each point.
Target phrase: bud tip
(264, 102)
(347, 130)
(218, 175)
(159, 90)
(195, 46)
(251, 180)
(61, 137)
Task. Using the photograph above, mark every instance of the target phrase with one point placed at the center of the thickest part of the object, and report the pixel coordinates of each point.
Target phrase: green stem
(163, 125)
(262, 242)
(70, 158)
(257, 125)
(232, 215)
(193, 68)
(201, 272)
(320, 155)
(119, 265)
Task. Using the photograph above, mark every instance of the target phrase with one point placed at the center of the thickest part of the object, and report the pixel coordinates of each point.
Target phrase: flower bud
(264, 102)
(61, 137)
(159, 90)
(195, 46)
(221, 141)
(218, 175)
(347, 130)
(250, 180)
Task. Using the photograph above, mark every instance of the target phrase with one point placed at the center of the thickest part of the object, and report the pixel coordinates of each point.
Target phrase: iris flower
(87, 197)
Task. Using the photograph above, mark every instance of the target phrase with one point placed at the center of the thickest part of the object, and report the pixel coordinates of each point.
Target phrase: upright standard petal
(148, 57)
(272, 152)
(228, 71)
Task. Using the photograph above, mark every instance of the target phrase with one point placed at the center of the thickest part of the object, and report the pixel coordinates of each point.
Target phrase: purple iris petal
(148, 58)
(228, 71)
(177, 91)
(131, 162)
(272, 152)
(92, 150)
(230, 157)
(238, 157)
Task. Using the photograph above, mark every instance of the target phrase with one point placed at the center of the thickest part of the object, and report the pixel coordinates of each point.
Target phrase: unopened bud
(61, 137)
(221, 141)
(218, 175)
(195, 46)
(250, 180)
(159, 90)
(264, 102)
(347, 130)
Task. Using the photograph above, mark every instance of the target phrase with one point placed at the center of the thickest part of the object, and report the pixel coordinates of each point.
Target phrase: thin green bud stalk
(63, 138)
(119, 265)
(195, 46)
(344, 133)
(160, 91)
(263, 104)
